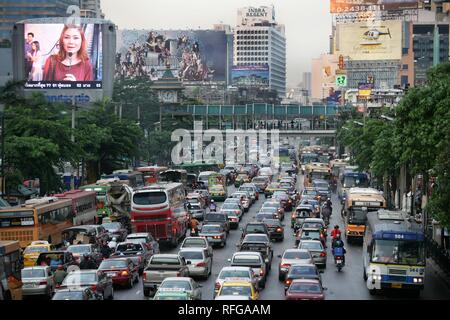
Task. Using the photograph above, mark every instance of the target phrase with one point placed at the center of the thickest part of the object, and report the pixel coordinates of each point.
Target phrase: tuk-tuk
(301, 213)
(241, 179)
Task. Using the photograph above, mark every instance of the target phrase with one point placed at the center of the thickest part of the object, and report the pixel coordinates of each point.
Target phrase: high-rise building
(260, 46)
(13, 11)
(91, 9)
(306, 81)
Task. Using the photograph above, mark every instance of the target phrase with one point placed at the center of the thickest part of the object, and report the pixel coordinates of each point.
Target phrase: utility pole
(2, 114)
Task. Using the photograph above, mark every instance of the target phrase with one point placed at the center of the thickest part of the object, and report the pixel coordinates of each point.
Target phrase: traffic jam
(201, 232)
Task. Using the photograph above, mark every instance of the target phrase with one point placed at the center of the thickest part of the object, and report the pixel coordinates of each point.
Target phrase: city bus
(101, 190)
(198, 167)
(151, 174)
(37, 219)
(393, 252)
(159, 209)
(10, 265)
(84, 205)
(134, 179)
(176, 175)
(359, 202)
(348, 178)
(203, 177)
(306, 158)
(316, 170)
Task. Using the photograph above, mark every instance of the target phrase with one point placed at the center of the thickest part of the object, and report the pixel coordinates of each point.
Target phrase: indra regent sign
(256, 12)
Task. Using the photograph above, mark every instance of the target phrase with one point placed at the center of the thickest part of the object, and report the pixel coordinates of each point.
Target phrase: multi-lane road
(345, 285)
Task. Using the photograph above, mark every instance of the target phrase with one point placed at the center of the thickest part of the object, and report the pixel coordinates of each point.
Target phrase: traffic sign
(341, 80)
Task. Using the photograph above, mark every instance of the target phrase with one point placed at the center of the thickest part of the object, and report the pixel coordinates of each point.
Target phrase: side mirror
(321, 271)
(188, 262)
(266, 260)
(279, 256)
(229, 260)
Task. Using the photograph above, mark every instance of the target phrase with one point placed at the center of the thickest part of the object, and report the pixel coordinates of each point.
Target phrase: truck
(161, 266)
(10, 265)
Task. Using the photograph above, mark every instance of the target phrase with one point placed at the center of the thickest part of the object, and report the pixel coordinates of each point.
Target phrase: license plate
(396, 285)
(111, 274)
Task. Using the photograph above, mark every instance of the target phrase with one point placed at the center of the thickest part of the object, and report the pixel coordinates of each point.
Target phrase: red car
(122, 271)
(305, 289)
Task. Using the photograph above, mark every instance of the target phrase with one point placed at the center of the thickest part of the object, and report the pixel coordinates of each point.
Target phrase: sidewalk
(445, 277)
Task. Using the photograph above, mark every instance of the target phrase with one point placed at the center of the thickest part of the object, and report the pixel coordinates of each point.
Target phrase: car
(77, 294)
(291, 257)
(238, 288)
(245, 199)
(255, 227)
(226, 273)
(305, 289)
(31, 252)
(201, 261)
(218, 192)
(190, 286)
(302, 212)
(261, 182)
(197, 197)
(310, 193)
(85, 234)
(276, 229)
(56, 258)
(115, 230)
(309, 234)
(315, 223)
(122, 271)
(38, 281)
(145, 238)
(99, 282)
(323, 188)
(232, 208)
(252, 189)
(255, 261)
(217, 218)
(267, 212)
(266, 172)
(196, 211)
(301, 271)
(215, 233)
(233, 297)
(271, 189)
(234, 220)
(197, 242)
(172, 294)
(79, 250)
(317, 250)
(137, 252)
(276, 205)
(235, 200)
(241, 178)
(258, 243)
(286, 202)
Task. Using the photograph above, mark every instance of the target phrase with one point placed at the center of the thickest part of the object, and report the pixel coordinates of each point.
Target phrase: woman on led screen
(35, 57)
(71, 63)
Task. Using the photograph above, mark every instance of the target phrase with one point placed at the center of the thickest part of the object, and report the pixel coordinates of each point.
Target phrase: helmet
(212, 201)
(336, 227)
(114, 239)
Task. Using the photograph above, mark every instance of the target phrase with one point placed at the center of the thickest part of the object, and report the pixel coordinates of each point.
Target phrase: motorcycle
(194, 232)
(338, 254)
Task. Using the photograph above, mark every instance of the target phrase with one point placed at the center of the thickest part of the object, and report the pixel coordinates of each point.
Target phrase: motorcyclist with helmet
(338, 248)
(336, 232)
(212, 206)
(194, 223)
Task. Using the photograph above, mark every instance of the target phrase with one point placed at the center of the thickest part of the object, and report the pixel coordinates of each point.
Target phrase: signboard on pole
(341, 6)
(365, 89)
(341, 80)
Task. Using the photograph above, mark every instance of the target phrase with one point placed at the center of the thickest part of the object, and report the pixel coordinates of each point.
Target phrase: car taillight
(94, 287)
(43, 283)
(261, 273)
(285, 265)
(201, 264)
(279, 230)
(323, 254)
(288, 282)
(124, 273)
(217, 286)
(144, 277)
(236, 211)
(178, 274)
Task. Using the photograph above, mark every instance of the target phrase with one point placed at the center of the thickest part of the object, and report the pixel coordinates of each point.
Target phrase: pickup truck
(161, 266)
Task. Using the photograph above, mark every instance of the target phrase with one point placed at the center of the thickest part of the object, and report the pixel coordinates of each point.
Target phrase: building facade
(259, 41)
(91, 9)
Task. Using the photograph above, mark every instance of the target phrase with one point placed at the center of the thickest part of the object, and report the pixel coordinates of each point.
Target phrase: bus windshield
(149, 198)
(398, 252)
(16, 219)
(356, 181)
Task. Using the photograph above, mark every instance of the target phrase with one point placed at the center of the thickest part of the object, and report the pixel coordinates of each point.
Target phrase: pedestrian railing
(438, 254)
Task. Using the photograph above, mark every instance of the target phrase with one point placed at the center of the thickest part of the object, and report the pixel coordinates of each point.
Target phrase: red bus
(84, 205)
(151, 174)
(159, 209)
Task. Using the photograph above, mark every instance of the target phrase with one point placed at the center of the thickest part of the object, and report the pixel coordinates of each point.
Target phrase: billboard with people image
(63, 56)
(199, 55)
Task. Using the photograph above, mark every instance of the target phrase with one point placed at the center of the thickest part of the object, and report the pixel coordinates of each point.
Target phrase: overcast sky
(308, 22)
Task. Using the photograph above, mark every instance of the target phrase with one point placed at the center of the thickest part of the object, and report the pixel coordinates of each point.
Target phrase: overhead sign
(377, 41)
(365, 89)
(341, 80)
(340, 6)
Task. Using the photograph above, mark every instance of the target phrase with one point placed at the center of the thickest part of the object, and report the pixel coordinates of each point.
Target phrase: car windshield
(129, 247)
(310, 192)
(216, 189)
(194, 255)
(230, 206)
(268, 209)
(250, 189)
(68, 295)
(296, 255)
(172, 284)
(271, 205)
(303, 270)
(165, 260)
(234, 274)
(35, 250)
(355, 181)
(256, 238)
(216, 217)
(321, 185)
(247, 260)
(113, 264)
(236, 291)
(399, 252)
(305, 288)
(33, 273)
(170, 297)
(210, 228)
(255, 229)
(195, 207)
(312, 225)
(272, 222)
(80, 278)
(259, 180)
(190, 243)
(310, 234)
(79, 249)
(111, 225)
(311, 245)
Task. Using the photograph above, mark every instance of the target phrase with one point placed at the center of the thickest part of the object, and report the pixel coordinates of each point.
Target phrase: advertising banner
(362, 41)
(63, 57)
(342, 6)
(193, 55)
(250, 75)
(365, 89)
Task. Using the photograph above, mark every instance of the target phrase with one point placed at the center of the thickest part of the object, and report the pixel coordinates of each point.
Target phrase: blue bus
(393, 252)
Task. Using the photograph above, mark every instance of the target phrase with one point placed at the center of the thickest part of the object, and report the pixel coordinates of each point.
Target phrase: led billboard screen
(360, 41)
(341, 6)
(250, 75)
(193, 55)
(57, 56)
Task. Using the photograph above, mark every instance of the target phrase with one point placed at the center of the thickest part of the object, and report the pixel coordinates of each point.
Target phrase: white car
(241, 273)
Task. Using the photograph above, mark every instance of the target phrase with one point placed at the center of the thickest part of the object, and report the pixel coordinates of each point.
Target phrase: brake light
(288, 282)
(201, 264)
(323, 254)
(144, 277)
(43, 283)
(285, 265)
(279, 230)
(124, 273)
(94, 287)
